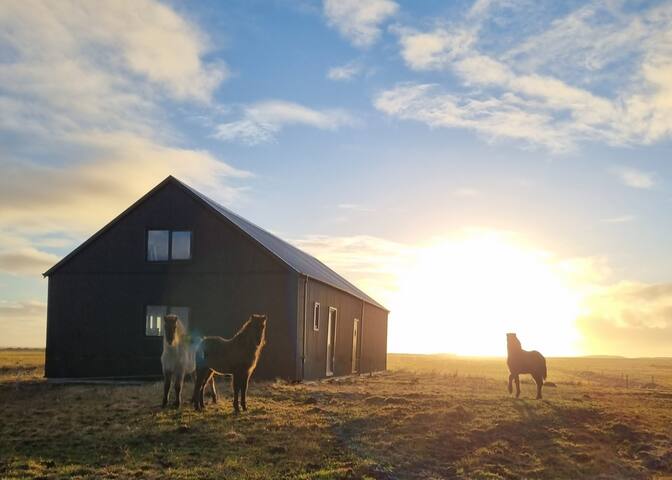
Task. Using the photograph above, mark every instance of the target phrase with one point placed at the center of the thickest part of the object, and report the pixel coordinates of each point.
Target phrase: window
(316, 316)
(157, 245)
(180, 245)
(163, 245)
(154, 318)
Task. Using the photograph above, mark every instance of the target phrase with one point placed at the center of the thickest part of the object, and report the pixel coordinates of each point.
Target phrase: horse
(177, 359)
(237, 356)
(522, 361)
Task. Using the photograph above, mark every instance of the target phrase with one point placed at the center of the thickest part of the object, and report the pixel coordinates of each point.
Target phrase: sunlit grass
(429, 417)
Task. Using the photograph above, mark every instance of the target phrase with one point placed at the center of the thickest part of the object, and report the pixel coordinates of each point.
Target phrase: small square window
(157, 245)
(181, 245)
(155, 314)
(316, 316)
(154, 320)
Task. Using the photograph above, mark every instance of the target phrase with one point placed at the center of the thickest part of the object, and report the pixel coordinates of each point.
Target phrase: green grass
(428, 417)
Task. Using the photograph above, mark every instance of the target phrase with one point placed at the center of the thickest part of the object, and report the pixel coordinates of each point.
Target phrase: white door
(355, 342)
(331, 341)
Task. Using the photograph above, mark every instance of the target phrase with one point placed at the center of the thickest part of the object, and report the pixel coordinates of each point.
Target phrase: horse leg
(198, 385)
(517, 379)
(236, 388)
(510, 383)
(208, 377)
(540, 382)
(243, 391)
(213, 391)
(166, 388)
(179, 382)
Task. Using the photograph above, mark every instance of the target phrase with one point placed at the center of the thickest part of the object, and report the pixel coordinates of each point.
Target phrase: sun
(462, 295)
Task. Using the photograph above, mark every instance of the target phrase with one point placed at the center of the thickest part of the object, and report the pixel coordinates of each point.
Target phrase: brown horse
(237, 356)
(522, 361)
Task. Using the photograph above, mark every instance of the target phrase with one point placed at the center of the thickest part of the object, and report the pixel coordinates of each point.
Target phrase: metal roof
(296, 259)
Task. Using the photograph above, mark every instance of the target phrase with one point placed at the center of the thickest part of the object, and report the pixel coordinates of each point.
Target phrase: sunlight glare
(462, 295)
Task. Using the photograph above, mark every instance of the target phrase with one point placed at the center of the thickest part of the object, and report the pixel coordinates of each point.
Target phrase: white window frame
(316, 316)
(330, 373)
(356, 327)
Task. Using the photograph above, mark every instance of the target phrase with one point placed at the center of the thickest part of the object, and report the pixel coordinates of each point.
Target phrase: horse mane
(513, 342)
(245, 334)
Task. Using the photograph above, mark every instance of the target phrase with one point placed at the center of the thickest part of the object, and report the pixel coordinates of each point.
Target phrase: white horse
(177, 359)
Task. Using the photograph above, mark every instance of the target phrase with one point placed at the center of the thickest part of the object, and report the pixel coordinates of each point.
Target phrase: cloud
(494, 118)
(634, 178)
(359, 20)
(374, 264)
(620, 219)
(345, 73)
(261, 122)
(629, 318)
(354, 207)
(141, 38)
(24, 261)
(82, 91)
(23, 323)
(435, 49)
(599, 74)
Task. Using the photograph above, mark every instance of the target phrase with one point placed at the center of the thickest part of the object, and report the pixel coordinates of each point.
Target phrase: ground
(428, 417)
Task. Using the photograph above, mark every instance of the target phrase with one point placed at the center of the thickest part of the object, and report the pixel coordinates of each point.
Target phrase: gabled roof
(296, 259)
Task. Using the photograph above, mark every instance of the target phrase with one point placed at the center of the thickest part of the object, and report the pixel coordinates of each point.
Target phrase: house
(177, 251)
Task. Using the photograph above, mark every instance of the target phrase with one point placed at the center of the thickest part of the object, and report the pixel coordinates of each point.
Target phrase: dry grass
(428, 417)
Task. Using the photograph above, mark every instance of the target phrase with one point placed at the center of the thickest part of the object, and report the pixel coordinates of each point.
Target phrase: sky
(479, 167)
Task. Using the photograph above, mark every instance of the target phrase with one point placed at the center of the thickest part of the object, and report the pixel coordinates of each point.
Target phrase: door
(331, 341)
(355, 344)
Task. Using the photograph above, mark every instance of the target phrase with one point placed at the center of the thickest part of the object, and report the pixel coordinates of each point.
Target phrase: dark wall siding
(374, 339)
(348, 308)
(97, 328)
(217, 246)
(96, 313)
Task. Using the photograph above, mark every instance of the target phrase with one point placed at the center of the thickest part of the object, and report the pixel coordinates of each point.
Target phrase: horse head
(512, 341)
(170, 328)
(258, 325)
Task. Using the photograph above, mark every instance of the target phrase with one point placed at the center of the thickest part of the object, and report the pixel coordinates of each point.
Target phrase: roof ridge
(346, 286)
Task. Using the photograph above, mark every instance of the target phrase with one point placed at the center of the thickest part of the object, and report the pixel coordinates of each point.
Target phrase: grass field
(428, 417)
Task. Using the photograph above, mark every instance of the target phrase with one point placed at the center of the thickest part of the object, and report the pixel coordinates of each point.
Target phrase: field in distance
(432, 416)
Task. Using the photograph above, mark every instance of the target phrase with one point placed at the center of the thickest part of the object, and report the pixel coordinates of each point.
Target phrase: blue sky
(390, 126)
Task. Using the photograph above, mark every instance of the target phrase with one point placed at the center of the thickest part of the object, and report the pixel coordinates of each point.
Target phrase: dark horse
(237, 356)
(522, 361)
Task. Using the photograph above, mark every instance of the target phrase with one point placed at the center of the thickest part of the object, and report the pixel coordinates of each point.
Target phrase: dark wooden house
(177, 251)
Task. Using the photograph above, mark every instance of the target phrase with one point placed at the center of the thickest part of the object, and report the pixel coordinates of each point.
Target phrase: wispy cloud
(261, 122)
(536, 79)
(492, 117)
(359, 20)
(620, 219)
(354, 207)
(345, 73)
(634, 178)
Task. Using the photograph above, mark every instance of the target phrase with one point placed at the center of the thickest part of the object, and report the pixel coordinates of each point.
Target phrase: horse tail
(199, 354)
(545, 371)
